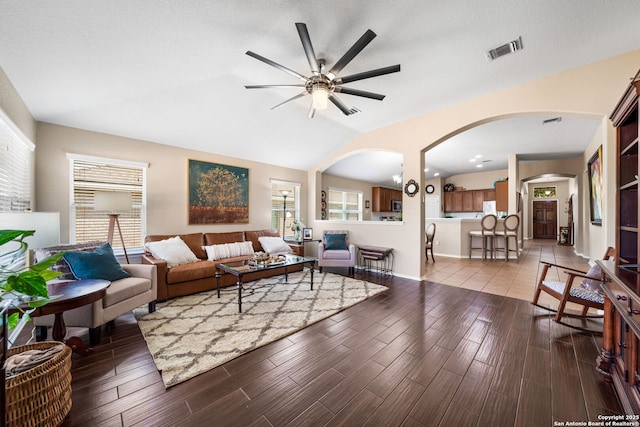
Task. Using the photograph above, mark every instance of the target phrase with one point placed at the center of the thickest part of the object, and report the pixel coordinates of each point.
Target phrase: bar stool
(487, 234)
(511, 224)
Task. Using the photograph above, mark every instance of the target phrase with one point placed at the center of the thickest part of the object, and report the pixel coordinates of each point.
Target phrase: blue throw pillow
(99, 264)
(335, 241)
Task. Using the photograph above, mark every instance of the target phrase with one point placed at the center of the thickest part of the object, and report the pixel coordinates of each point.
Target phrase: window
(290, 211)
(544, 192)
(15, 167)
(92, 174)
(345, 205)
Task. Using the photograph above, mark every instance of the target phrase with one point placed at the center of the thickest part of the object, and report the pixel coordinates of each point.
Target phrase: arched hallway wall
(591, 90)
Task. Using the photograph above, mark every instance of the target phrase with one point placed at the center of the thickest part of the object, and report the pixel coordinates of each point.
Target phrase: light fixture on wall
(113, 202)
(285, 193)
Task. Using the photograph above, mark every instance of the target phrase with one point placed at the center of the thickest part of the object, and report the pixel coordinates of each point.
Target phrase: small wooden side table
(298, 245)
(71, 294)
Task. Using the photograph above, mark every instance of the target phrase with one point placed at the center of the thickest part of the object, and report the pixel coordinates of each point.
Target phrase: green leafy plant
(23, 286)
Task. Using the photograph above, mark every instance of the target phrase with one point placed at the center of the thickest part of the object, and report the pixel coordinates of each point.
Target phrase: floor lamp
(113, 201)
(285, 193)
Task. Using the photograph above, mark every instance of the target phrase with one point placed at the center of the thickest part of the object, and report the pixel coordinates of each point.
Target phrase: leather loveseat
(199, 276)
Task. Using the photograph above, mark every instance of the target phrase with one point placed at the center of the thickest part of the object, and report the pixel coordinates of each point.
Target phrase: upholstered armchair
(335, 250)
(123, 295)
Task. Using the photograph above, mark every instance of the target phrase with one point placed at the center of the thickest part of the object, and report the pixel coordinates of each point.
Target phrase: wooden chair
(587, 293)
(428, 247)
(511, 224)
(487, 234)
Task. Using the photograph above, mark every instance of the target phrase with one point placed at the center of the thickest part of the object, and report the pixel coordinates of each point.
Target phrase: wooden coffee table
(242, 269)
(71, 294)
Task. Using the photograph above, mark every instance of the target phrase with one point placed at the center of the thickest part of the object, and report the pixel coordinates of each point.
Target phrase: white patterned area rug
(193, 334)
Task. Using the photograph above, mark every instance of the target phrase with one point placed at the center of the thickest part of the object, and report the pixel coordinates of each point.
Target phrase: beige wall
(589, 91)
(477, 180)
(167, 197)
(15, 109)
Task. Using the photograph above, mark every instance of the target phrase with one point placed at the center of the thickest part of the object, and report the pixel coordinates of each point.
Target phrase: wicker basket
(40, 396)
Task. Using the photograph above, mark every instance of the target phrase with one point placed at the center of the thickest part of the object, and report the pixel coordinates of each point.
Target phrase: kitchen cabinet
(478, 200)
(467, 200)
(382, 197)
(502, 196)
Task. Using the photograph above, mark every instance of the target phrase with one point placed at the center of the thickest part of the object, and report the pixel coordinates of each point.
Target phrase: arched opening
(539, 146)
(551, 189)
(363, 186)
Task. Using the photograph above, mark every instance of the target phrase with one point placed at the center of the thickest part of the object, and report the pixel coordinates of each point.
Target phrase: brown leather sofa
(200, 276)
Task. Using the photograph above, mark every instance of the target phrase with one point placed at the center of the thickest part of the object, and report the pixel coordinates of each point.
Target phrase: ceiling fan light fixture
(320, 95)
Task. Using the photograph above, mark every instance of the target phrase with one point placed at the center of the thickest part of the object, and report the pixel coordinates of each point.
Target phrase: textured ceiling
(173, 72)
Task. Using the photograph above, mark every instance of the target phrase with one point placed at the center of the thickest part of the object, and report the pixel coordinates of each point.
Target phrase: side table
(381, 256)
(298, 246)
(71, 294)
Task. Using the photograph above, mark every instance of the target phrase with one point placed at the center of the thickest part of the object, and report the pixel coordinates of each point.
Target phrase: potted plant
(20, 284)
(23, 288)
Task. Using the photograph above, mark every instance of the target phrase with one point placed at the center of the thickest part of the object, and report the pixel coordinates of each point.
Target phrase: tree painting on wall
(218, 194)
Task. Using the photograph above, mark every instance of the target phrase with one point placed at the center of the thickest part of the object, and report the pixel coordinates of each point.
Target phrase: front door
(545, 219)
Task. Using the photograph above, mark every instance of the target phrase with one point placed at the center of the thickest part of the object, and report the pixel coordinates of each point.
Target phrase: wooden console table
(619, 360)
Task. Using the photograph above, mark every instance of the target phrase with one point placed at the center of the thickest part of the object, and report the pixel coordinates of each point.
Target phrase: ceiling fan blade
(276, 65)
(312, 111)
(270, 86)
(358, 92)
(352, 52)
(345, 110)
(308, 47)
(368, 74)
(290, 99)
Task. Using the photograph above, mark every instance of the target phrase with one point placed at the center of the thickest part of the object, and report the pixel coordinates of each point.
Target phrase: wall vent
(505, 49)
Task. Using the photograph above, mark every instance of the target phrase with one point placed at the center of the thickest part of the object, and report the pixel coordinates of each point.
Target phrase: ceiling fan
(323, 85)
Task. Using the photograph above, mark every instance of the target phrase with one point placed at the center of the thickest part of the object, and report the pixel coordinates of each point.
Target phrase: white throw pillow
(174, 250)
(274, 245)
(228, 250)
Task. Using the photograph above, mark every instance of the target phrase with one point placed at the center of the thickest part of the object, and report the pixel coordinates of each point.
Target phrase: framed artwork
(218, 194)
(307, 233)
(594, 168)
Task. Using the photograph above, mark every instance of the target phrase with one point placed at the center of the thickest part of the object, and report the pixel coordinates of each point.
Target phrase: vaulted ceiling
(174, 72)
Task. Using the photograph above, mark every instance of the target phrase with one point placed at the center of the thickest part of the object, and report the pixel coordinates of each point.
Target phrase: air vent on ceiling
(505, 49)
(555, 119)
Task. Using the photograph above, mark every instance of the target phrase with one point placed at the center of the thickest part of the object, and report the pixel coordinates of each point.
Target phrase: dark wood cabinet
(502, 196)
(382, 198)
(477, 197)
(620, 357)
(467, 200)
(447, 197)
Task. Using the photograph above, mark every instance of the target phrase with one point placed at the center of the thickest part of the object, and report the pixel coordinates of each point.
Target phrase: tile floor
(514, 278)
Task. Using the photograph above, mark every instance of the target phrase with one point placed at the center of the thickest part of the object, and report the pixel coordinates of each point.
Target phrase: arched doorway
(548, 206)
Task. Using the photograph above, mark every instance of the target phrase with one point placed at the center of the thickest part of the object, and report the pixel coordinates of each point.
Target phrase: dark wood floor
(421, 354)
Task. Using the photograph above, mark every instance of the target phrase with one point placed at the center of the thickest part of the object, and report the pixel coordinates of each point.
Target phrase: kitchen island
(452, 237)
